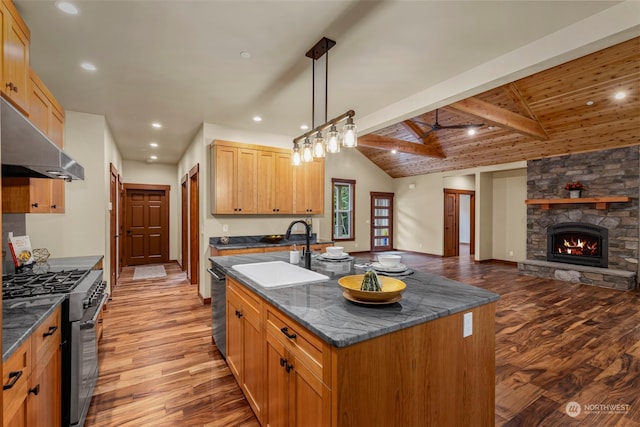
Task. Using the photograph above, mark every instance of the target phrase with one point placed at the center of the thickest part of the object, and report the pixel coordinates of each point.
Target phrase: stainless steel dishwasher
(218, 308)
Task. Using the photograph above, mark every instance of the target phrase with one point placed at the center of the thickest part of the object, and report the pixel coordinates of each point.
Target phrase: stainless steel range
(85, 297)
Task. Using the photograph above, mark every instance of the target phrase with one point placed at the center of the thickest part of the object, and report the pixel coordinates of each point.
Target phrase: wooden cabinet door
(43, 402)
(16, 61)
(252, 354)
(247, 181)
(309, 399)
(300, 189)
(57, 198)
(56, 127)
(315, 187)
(38, 107)
(234, 334)
(266, 183)
(283, 183)
(225, 180)
(277, 398)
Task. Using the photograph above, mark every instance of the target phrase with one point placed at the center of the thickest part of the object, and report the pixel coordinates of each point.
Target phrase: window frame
(352, 211)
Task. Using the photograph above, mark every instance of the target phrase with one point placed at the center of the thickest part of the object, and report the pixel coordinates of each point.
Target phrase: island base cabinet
(426, 375)
(295, 396)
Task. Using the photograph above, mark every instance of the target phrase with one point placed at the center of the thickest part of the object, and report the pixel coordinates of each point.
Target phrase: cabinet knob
(15, 88)
(238, 314)
(35, 390)
(289, 367)
(283, 362)
(34, 205)
(9, 85)
(54, 206)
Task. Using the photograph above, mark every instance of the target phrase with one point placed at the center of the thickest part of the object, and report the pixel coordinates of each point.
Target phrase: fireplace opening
(577, 243)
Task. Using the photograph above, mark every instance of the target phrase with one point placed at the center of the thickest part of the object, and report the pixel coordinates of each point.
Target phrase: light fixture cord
(313, 93)
(326, 80)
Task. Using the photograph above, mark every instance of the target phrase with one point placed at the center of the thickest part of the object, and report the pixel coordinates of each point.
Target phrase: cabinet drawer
(18, 365)
(306, 346)
(250, 303)
(46, 339)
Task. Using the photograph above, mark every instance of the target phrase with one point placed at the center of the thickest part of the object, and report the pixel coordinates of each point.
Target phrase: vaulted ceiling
(569, 108)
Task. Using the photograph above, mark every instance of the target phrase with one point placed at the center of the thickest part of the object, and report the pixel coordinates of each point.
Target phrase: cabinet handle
(285, 331)
(238, 314)
(14, 376)
(50, 332)
(35, 390)
(288, 368)
(283, 362)
(54, 206)
(34, 205)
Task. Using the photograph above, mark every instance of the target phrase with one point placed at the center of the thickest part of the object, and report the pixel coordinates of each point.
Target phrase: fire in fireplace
(577, 243)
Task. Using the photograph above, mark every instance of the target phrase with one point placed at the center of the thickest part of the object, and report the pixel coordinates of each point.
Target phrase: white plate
(341, 256)
(398, 268)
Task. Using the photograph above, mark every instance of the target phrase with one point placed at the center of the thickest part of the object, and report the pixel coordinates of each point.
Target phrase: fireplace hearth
(578, 243)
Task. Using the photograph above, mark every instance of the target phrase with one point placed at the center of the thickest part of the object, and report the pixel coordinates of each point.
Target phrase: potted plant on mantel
(574, 189)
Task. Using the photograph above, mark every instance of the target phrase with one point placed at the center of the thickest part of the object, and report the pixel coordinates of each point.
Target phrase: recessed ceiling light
(67, 7)
(620, 95)
(156, 125)
(471, 132)
(491, 128)
(88, 66)
(153, 144)
(245, 55)
(589, 102)
(394, 151)
(153, 157)
(304, 127)
(257, 118)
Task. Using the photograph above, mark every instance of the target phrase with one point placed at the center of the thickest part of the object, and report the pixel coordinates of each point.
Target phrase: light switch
(225, 228)
(467, 325)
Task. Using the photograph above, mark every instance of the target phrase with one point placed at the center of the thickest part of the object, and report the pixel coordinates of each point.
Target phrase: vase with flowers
(574, 189)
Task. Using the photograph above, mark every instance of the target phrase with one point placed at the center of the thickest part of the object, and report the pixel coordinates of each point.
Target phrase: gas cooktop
(29, 284)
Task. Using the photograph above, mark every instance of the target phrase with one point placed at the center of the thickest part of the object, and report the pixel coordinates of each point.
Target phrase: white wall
(509, 215)
(465, 218)
(135, 172)
(84, 227)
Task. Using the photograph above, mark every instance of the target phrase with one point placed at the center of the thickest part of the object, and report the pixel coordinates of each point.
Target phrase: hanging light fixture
(347, 137)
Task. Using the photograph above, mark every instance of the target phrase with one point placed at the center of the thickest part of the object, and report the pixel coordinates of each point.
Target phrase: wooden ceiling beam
(501, 117)
(429, 140)
(386, 143)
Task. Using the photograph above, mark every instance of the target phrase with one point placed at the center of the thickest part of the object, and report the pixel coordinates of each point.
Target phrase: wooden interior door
(194, 224)
(114, 197)
(185, 222)
(452, 221)
(381, 221)
(121, 239)
(147, 224)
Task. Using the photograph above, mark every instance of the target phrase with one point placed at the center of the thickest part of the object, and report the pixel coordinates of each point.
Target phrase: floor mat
(149, 272)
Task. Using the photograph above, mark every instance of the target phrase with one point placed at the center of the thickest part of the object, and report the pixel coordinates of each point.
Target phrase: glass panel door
(381, 221)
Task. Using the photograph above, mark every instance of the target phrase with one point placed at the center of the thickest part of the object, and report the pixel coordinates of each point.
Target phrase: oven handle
(92, 323)
(218, 278)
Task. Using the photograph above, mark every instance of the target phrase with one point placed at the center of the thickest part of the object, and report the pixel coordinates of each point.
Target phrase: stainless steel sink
(275, 274)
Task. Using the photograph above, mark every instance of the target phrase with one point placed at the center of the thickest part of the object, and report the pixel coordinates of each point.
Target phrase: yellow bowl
(391, 288)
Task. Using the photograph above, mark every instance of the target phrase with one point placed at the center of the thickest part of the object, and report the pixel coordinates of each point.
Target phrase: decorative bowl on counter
(274, 238)
(391, 288)
(41, 255)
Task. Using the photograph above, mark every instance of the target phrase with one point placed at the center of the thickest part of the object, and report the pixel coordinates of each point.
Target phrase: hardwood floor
(556, 343)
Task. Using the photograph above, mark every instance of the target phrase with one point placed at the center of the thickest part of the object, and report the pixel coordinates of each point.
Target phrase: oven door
(84, 369)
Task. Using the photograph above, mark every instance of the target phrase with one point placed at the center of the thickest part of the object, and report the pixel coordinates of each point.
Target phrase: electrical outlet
(420, 245)
(467, 325)
(510, 253)
(225, 228)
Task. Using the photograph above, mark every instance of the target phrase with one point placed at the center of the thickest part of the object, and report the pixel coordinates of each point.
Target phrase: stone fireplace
(580, 241)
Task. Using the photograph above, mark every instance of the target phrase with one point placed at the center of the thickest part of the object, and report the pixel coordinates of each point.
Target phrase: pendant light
(307, 151)
(333, 140)
(349, 134)
(318, 146)
(296, 159)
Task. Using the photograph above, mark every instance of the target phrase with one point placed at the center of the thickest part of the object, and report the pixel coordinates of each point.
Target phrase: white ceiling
(178, 61)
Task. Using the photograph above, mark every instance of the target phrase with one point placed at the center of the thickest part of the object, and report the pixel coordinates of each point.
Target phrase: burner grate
(28, 284)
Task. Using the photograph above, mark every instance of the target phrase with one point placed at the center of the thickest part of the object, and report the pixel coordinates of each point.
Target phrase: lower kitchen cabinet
(34, 375)
(245, 343)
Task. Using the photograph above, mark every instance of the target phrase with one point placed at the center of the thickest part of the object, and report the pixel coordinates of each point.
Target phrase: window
(343, 209)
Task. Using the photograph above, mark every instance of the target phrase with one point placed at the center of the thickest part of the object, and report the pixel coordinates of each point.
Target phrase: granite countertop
(76, 262)
(246, 242)
(322, 309)
(22, 316)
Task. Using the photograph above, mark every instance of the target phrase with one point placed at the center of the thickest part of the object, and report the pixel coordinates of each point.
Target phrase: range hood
(27, 152)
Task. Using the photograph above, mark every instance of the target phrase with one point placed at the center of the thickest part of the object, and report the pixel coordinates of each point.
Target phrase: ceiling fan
(437, 126)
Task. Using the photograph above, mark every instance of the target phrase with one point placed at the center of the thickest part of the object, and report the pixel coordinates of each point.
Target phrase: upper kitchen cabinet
(308, 193)
(275, 182)
(15, 57)
(235, 177)
(44, 110)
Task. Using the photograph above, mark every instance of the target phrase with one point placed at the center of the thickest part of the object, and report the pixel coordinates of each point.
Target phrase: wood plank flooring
(556, 342)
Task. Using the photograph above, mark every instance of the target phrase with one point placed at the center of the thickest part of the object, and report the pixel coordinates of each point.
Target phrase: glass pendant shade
(307, 151)
(296, 159)
(333, 141)
(318, 146)
(349, 134)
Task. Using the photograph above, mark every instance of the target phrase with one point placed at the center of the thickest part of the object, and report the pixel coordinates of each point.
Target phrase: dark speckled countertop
(246, 242)
(323, 310)
(22, 316)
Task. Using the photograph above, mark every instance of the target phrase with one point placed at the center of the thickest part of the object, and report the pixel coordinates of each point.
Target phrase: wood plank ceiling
(546, 114)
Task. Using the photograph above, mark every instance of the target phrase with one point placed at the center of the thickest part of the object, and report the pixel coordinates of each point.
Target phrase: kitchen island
(426, 360)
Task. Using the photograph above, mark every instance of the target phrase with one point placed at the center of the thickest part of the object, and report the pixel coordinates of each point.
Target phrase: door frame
(184, 207)
(114, 237)
(152, 187)
(194, 225)
(455, 251)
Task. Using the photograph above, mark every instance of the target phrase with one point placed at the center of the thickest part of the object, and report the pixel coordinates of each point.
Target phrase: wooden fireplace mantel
(601, 202)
